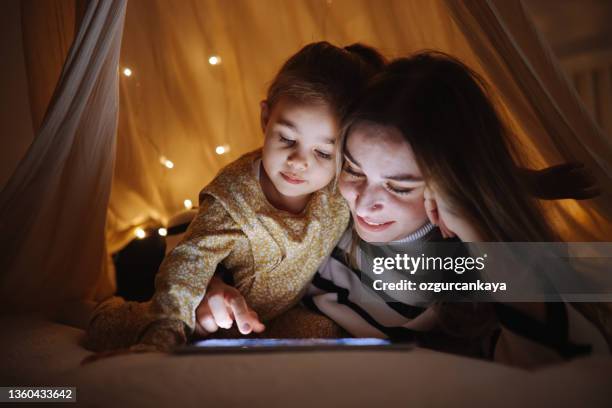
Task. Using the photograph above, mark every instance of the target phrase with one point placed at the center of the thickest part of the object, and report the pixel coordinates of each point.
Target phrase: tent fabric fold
(55, 203)
(547, 108)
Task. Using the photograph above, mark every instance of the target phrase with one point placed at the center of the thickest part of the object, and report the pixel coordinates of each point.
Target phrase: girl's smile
(290, 178)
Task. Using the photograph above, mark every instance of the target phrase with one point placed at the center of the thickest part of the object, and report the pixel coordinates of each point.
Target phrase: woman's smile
(382, 183)
(373, 226)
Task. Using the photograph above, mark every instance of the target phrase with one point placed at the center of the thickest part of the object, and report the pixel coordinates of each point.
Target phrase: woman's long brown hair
(463, 148)
(461, 145)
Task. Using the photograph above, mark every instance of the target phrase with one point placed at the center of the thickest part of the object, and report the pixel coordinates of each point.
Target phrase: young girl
(269, 219)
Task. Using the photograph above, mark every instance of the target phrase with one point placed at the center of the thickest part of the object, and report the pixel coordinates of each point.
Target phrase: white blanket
(36, 351)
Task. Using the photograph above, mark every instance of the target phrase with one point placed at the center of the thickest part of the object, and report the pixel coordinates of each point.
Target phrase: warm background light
(165, 162)
(140, 233)
(199, 91)
(222, 149)
(188, 204)
(162, 232)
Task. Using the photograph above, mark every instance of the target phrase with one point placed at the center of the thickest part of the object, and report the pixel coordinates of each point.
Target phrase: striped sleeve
(337, 290)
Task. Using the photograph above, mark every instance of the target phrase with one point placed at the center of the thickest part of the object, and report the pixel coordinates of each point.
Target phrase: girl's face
(382, 184)
(299, 148)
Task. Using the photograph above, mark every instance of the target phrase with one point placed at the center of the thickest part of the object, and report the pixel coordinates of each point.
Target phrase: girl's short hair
(324, 73)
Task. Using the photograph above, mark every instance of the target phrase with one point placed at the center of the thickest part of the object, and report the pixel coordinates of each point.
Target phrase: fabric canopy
(180, 105)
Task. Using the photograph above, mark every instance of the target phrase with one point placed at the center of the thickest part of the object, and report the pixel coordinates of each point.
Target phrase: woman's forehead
(380, 148)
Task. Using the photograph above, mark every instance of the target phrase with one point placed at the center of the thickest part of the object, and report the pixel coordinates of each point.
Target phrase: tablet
(284, 345)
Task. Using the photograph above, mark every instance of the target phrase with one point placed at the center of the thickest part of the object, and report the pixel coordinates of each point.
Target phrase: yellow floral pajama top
(271, 254)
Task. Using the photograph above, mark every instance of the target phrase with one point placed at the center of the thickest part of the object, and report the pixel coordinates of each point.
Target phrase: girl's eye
(283, 139)
(349, 170)
(323, 155)
(400, 191)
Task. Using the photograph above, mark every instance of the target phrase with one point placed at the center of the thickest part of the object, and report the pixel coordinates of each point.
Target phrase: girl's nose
(297, 161)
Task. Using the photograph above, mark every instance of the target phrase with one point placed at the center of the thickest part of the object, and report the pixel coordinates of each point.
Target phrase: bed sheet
(36, 351)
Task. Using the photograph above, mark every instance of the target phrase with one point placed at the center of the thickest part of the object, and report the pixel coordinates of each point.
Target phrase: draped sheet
(48, 45)
(550, 116)
(177, 105)
(592, 76)
(54, 205)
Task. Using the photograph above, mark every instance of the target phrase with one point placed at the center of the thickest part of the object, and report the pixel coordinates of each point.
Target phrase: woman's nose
(368, 201)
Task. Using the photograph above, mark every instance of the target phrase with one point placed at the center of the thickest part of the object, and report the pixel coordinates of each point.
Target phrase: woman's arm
(531, 333)
(567, 180)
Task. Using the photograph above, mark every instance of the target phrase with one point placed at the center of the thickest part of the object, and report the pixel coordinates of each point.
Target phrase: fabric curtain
(591, 75)
(45, 48)
(553, 121)
(178, 106)
(49, 29)
(55, 203)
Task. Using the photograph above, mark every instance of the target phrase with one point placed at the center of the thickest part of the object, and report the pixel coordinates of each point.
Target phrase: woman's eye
(283, 139)
(400, 191)
(323, 155)
(352, 172)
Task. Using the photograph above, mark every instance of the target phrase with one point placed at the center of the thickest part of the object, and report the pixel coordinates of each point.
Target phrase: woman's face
(382, 183)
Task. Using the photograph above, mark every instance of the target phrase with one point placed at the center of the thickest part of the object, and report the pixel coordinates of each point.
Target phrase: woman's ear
(265, 114)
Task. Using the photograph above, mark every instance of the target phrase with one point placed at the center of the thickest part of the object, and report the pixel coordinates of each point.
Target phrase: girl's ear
(265, 114)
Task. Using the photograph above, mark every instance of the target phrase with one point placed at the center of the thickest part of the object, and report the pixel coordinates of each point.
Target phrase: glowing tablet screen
(290, 342)
(271, 345)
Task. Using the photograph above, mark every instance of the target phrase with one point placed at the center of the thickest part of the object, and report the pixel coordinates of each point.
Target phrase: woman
(425, 146)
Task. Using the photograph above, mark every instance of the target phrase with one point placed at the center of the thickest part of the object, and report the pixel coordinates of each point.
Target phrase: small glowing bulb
(222, 149)
(140, 233)
(166, 162)
(214, 60)
(127, 72)
(162, 232)
(188, 204)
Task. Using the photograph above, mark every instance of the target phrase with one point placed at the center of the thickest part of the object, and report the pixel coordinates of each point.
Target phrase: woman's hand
(222, 305)
(451, 224)
(567, 180)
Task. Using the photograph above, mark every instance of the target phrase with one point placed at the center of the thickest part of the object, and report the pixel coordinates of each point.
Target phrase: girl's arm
(185, 273)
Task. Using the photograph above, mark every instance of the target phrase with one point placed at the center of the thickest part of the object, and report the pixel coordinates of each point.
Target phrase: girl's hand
(451, 224)
(222, 305)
